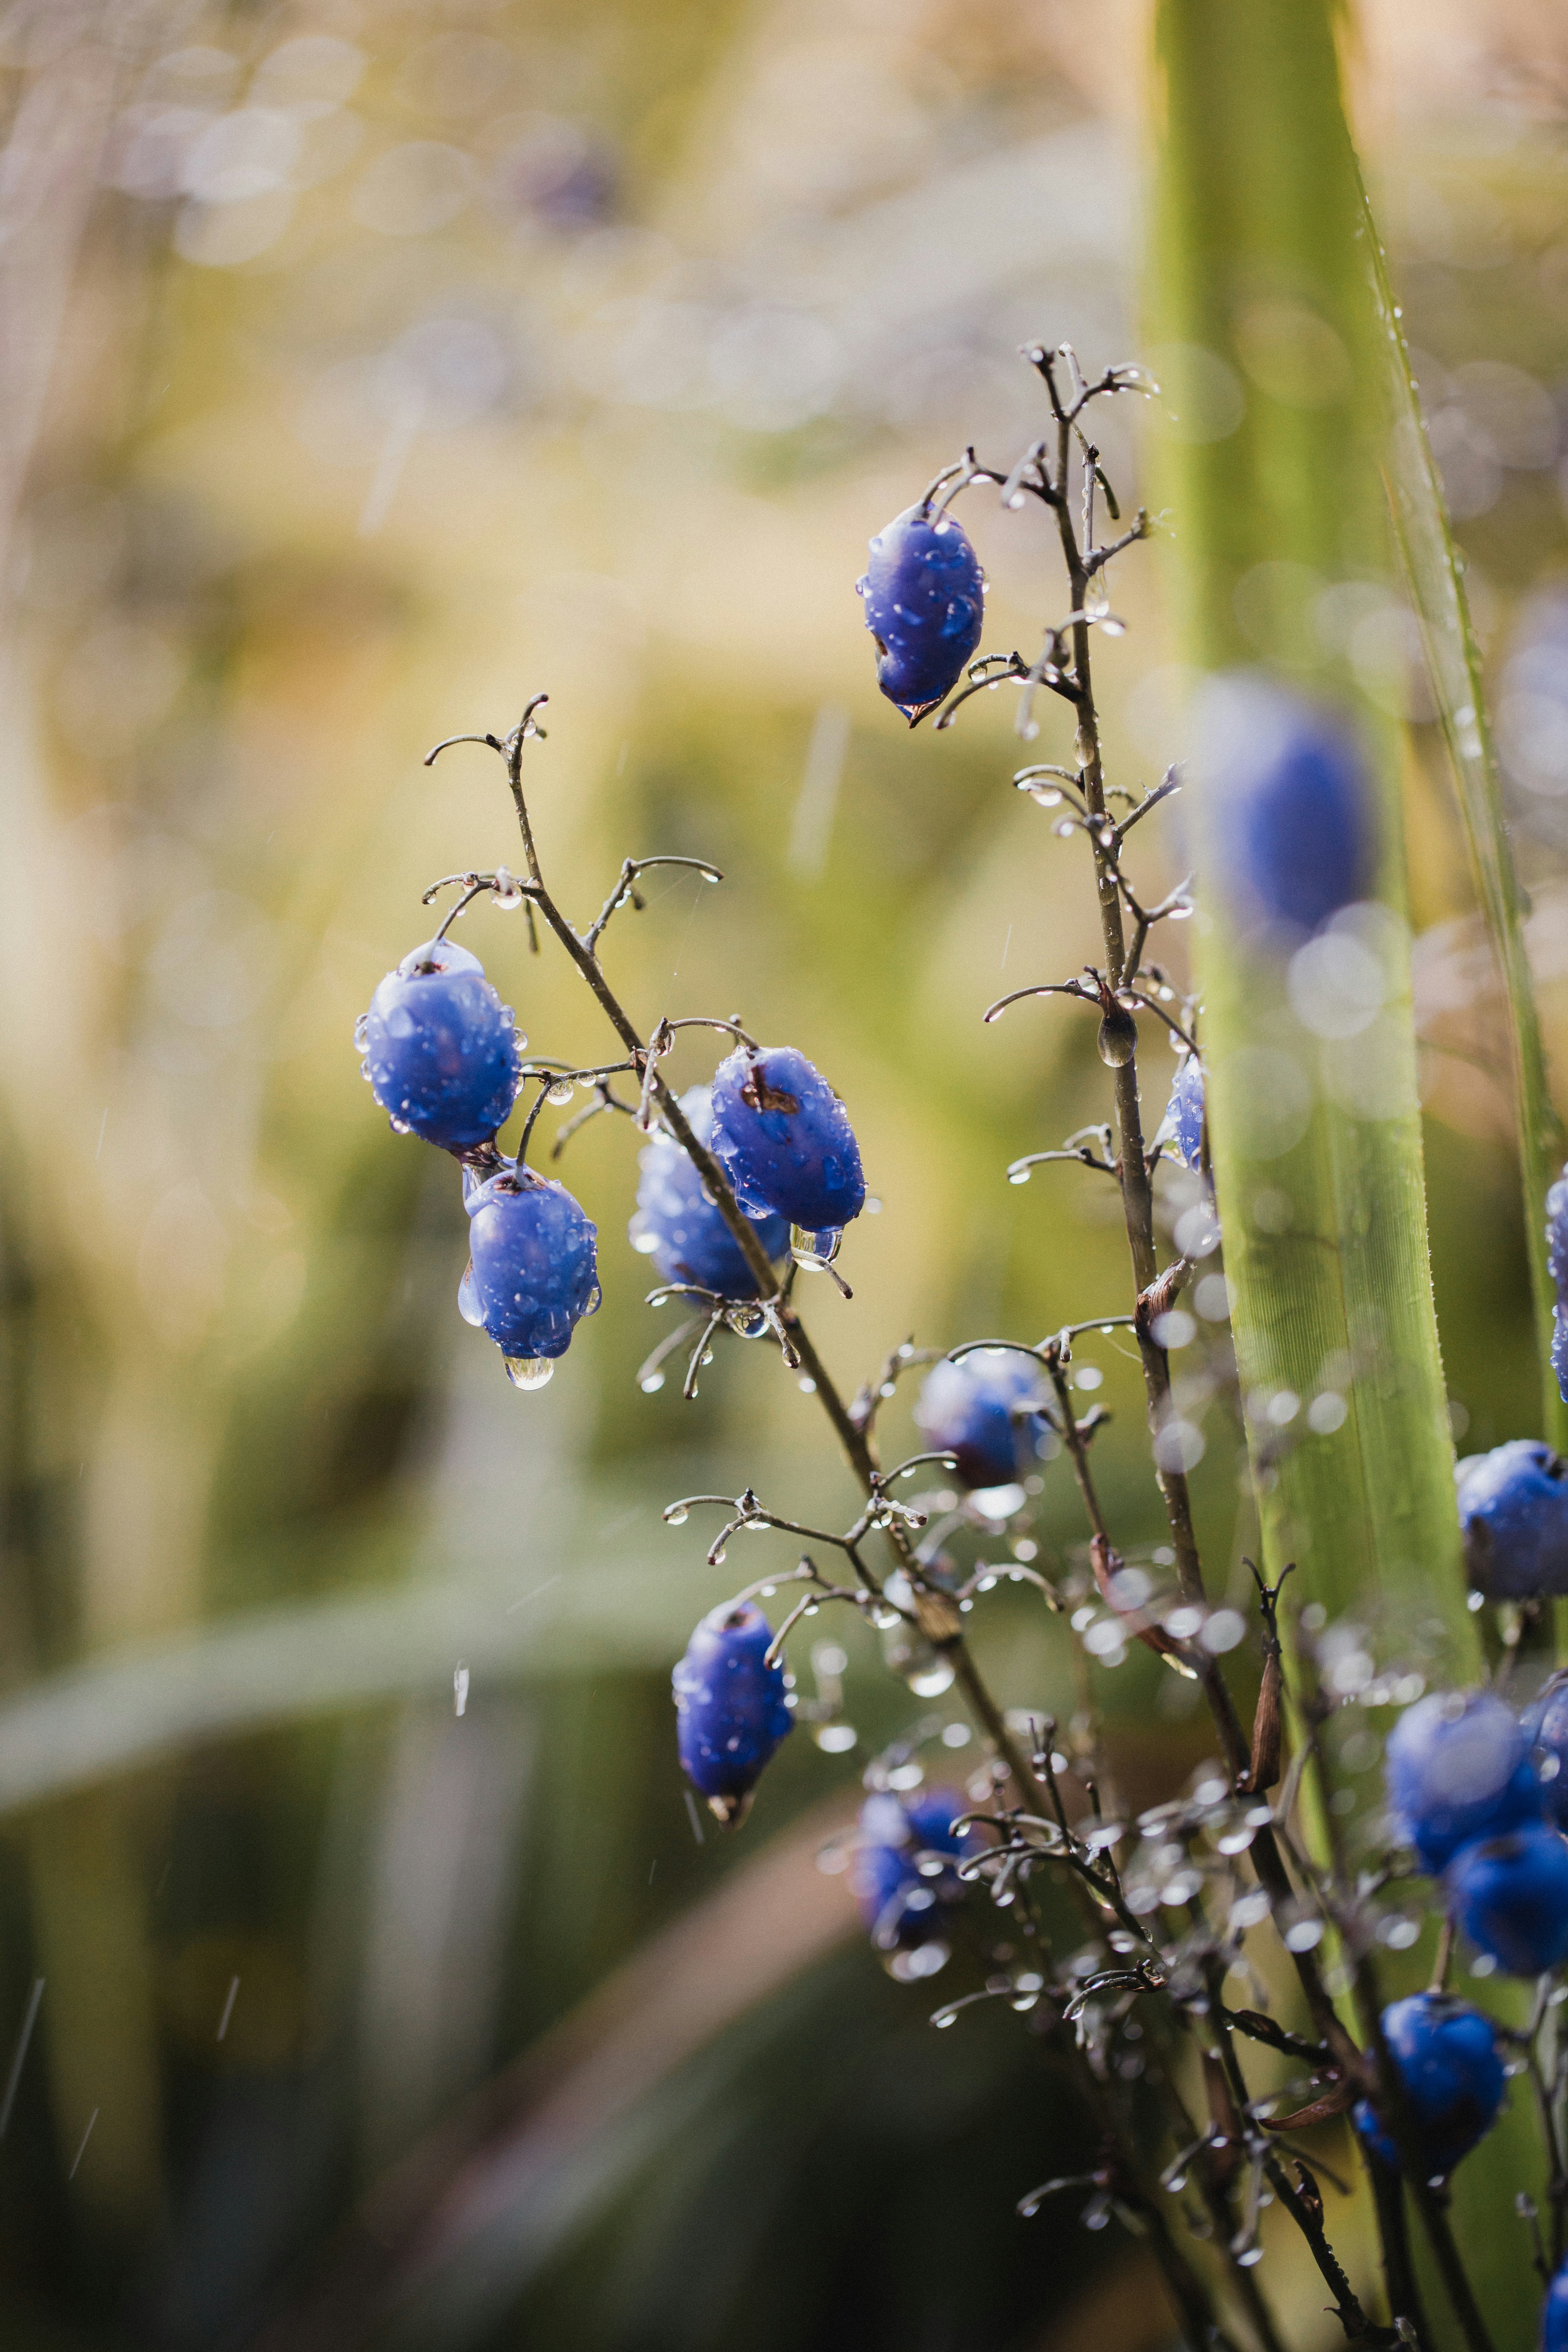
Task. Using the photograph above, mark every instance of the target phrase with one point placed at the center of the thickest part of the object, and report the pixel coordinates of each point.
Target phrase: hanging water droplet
(811, 1252)
(506, 891)
(595, 1299)
(651, 1383)
(529, 1371)
(364, 1072)
(468, 1305)
(362, 1032)
(1045, 796)
(560, 1093)
(1019, 1175)
(399, 1126)
(1118, 1039)
(679, 1516)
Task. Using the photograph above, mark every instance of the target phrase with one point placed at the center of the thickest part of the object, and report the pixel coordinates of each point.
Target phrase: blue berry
(1555, 2314)
(532, 1274)
(925, 603)
(1513, 1509)
(784, 1141)
(970, 1408)
(677, 1224)
(1557, 1262)
(731, 1705)
(904, 1906)
(1292, 822)
(1181, 1129)
(1511, 1897)
(1459, 1767)
(1447, 2057)
(441, 1052)
(1546, 1728)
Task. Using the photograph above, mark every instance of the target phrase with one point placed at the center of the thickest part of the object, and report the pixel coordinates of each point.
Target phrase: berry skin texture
(925, 604)
(1291, 811)
(1546, 1728)
(968, 1409)
(1459, 1767)
(1448, 2060)
(1555, 2314)
(1509, 1894)
(441, 1052)
(905, 1908)
(1181, 1129)
(535, 1272)
(1557, 1263)
(1513, 1510)
(730, 1708)
(783, 1139)
(677, 1225)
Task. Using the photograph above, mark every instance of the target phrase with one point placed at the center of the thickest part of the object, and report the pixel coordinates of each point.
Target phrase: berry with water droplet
(1509, 1894)
(783, 1139)
(730, 1705)
(925, 603)
(677, 1224)
(441, 1052)
(983, 1410)
(1291, 814)
(1449, 2064)
(1458, 1768)
(902, 1870)
(533, 1274)
(1513, 1510)
(1181, 1131)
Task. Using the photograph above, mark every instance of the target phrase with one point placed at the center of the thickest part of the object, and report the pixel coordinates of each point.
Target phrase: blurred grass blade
(1436, 578)
(1266, 340)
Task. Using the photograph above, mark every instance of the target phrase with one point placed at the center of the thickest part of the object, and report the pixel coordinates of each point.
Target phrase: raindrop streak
(459, 1690)
(512, 1606)
(18, 2060)
(103, 1124)
(227, 2006)
(692, 1815)
(83, 2150)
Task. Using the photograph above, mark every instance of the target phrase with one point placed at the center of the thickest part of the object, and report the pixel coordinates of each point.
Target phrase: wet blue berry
(1459, 1767)
(1513, 1509)
(677, 1224)
(1448, 2060)
(971, 1409)
(1181, 1129)
(1546, 1728)
(532, 1274)
(1291, 819)
(1555, 2314)
(1557, 1261)
(1509, 1894)
(902, 1875)
(440, 1049)
(784, 1141)
(925, 603)
(731, 1706)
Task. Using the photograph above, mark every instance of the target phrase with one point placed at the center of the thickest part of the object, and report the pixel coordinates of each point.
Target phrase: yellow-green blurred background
(364, 369)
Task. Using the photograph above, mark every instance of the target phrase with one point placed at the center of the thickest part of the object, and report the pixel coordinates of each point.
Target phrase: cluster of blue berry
(749, 1181)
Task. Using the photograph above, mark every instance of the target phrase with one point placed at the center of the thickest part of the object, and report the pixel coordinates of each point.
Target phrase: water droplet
(529, 1371)
(813, 1251)
(362, 1032)
(1018, 1175)
(399, 1126)
(506, 891)
(364, 1072)
(595, 1300)
(560, 1093)
(1045, 796)
(468, 1305)
(679, 1516)
(651, 1382)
